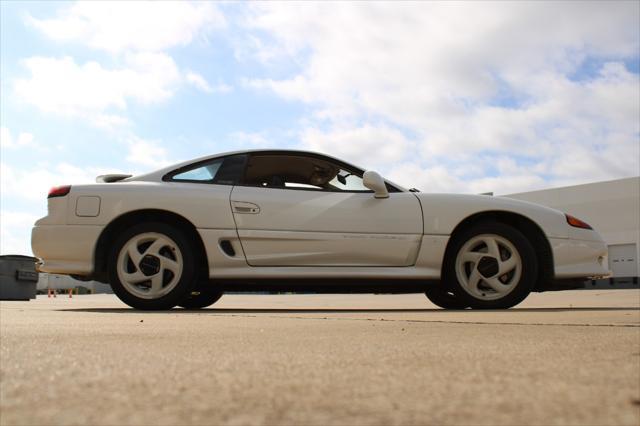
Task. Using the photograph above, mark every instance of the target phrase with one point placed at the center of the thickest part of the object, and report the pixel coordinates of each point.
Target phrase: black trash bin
(18, 277)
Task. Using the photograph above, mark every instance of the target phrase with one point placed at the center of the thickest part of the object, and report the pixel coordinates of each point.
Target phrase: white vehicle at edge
(282, 220)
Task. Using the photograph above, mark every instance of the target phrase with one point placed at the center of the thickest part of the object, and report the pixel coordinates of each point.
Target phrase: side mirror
(374, 181)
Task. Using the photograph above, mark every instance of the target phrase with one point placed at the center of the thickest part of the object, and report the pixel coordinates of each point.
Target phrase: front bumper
(579, 258)
(65, 249)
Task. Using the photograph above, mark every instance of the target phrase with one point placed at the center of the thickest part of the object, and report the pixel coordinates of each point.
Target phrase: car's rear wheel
(490, 266)
(152, 266)
(442, 298)
(201, 298)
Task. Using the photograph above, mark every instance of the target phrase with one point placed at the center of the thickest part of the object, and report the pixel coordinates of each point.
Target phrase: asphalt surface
(563, 358)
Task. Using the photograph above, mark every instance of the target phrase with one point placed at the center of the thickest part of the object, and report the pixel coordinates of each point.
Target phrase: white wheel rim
(477, 261)
(150, 265)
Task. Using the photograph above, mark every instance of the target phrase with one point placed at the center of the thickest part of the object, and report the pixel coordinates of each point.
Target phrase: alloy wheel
(150, 265)
(488, 267)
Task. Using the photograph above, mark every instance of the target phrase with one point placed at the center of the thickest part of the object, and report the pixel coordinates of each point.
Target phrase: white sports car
(282, 220)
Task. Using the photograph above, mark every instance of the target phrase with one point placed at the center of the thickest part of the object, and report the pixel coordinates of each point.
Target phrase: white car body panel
(223, 266)
(443, 212)
(315, 228)
(297, 248)
(206, 206)
(579, 258)
(297, 233)
(65, 249)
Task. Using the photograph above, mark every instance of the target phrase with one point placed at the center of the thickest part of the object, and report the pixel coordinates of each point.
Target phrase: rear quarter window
(204, 173)
(222, 171)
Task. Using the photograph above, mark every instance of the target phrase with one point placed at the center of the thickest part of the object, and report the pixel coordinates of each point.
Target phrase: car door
(287, 218)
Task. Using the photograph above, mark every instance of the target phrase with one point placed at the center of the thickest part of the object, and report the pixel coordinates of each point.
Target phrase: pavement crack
(435, 321)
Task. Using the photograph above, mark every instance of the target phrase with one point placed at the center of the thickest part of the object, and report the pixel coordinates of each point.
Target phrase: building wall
(611, 207)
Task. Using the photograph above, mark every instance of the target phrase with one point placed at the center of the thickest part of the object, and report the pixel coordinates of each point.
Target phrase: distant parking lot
(559, 358)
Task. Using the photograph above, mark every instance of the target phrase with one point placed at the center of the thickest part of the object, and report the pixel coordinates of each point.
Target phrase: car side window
(222, 171)
(204, 173)
(348, 181)
(298, 172)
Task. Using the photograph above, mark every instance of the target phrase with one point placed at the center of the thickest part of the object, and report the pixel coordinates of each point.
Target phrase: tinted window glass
(301, 172)
(231, 170)
(346, 181)
(223, 171)
(204, 173)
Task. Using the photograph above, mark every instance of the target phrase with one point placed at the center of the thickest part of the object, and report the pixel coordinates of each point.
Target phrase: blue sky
(445, 97)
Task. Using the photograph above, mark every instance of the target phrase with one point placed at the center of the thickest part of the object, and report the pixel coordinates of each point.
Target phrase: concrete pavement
(561, 358)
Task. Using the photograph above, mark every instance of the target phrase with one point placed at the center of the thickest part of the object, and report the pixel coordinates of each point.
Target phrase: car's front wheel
(490, 266)
(152, 266)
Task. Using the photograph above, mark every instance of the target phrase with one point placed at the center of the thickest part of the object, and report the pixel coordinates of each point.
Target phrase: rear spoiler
(111, 178)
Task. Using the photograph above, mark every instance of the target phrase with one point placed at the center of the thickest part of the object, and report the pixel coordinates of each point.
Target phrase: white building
(65, 282)
(612, 208)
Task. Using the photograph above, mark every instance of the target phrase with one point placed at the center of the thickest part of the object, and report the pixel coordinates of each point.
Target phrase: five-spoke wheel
(490, 266)
(152, 266)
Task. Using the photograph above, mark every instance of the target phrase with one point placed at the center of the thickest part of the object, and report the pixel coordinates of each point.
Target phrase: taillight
(59, 191)
(577, 223)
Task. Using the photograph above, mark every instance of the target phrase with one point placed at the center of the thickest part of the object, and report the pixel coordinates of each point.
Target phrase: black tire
(522, 286)
(201, 298)
(444, 299)
(179, 291)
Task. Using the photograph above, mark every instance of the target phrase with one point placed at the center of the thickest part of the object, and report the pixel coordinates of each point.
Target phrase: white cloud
(33, 183)
(147, 153)
(364, 146)
(253, 140)
(15, 228)
(133, 25)
(107, 121)
(61, 86)
(467, 178)
(465, 84)
(24, 139)
(138, 34)
(200, 83)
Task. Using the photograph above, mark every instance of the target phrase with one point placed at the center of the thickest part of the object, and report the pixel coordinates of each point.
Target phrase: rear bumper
(65, 249)
(575, 258)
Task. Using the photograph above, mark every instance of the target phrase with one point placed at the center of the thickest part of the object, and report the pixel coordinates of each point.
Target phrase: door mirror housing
(374, 181)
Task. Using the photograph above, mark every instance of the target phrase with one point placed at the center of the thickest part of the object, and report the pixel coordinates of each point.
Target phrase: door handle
(243, 207)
